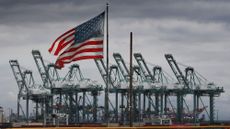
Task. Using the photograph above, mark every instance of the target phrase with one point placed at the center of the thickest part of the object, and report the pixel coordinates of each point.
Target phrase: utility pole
(131, 82)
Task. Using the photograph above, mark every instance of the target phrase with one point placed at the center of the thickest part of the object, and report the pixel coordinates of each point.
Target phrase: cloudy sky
(197, 33)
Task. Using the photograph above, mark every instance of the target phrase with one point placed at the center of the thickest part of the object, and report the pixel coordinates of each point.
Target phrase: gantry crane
(47, 83)
(66, 91)
(114, 83)
(151, 89)
(125, 74)
(84, 86)
(157, 84)
(183, 88)
(137, 87)
(28, 90)
(23, 89)
(192, 84)
(201, 87)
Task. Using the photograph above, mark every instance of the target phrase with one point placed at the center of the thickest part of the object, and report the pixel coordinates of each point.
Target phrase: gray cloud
(36, 11)
(24, 11)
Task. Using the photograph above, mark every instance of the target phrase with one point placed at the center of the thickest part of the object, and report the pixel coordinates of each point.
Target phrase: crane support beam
(211, 99)
(52, 72)
(179, 116)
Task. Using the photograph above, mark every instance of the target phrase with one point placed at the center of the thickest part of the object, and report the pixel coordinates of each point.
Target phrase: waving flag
(82, 42)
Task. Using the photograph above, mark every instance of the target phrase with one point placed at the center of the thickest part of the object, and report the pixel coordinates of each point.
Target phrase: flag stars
(89, 29)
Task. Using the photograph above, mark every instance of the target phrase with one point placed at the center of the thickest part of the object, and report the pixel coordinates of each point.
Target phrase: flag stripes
(84, 51)
(92, 48)
(86, 48)
(74, 47)
(61, 64)
(83, 56)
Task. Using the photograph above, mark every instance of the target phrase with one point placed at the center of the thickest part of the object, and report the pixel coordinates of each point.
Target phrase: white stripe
(57, 42)
(54, 49)
(81, 48)
(69, 38)
(83, 54)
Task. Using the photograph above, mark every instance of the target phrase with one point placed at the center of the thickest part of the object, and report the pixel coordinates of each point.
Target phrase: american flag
(82, 42)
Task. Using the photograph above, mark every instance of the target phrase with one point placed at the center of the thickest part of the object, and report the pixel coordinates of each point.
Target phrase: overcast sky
(197, 33)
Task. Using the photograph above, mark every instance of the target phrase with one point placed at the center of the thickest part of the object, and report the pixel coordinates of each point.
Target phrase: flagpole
(131, 82)
(107, 71)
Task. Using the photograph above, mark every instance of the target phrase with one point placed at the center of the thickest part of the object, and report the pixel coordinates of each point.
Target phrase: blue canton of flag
(90, 29)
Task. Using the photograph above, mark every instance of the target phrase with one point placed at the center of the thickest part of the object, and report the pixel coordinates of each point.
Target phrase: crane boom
(121, 65)
(176, 70)
(18, 76)
(42, 69)
(144, 68)
(102, 68)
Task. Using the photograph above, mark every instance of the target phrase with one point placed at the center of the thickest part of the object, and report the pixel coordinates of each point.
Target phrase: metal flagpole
(107, 71)
(131, 82)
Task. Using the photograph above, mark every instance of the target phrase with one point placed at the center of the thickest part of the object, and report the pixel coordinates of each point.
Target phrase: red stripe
(51, 48)
(62, 44)
(82, 51)
(72, 48)
(60, 64)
